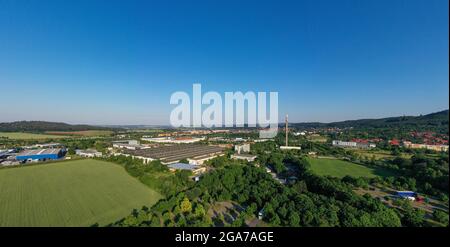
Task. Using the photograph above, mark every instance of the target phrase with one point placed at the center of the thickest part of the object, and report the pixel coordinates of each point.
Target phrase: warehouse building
(244, 148)
(41, 154)
(344, 144)
(247, 157)
(195, 153)
(129, 144)
(88, 153)
(187, 167)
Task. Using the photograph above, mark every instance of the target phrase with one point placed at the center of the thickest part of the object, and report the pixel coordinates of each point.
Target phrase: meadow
(317, 138)
(340, 168)
(379, 154)
(70, 193)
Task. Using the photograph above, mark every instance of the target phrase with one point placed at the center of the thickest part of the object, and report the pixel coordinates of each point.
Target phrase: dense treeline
(42, 126)
(431, 174)
(437, 122)
(426, 171)
(311, 201)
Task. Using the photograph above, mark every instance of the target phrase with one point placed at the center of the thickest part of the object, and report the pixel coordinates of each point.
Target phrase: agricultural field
(86, 133)
(341, 168)
(29, 136)
(70, 193)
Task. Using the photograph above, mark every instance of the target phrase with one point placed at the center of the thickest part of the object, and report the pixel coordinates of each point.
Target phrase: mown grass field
(70, 193)
(341, 168)
(380, 154)
(29, 136)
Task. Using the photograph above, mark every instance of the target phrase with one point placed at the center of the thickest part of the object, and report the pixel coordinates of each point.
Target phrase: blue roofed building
(410, 195)
(40, 154)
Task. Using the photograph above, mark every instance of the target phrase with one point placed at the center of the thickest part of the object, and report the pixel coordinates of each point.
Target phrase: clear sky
(118, 62)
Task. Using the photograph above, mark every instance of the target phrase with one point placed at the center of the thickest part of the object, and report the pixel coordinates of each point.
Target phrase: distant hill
(435, 121)
(41, 126)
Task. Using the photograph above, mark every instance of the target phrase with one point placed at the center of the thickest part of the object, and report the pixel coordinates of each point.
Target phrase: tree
(300, 187)
(71, 151)
(184, 161)
(186, 206)
(413, 217)
(199, 211)
(294, 219)
(440, 216)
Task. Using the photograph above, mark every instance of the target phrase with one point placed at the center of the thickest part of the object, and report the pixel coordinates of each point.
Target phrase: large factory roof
(39, 151)
(176, 152)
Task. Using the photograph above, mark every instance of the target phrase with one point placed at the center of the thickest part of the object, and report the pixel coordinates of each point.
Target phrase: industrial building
(187, 167)
(247, 157)
(44, 145)
(345, 144)
(7, 158)
(242, 153)
(88, 153)
(41, 154)
(5, 153)
(129, 144)
(244, 148)
(195, 153)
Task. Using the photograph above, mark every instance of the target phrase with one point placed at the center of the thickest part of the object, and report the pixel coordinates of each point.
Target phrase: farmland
(340, 168)
(81, 133)
(54, 134)
(70, 193)
(28, 136)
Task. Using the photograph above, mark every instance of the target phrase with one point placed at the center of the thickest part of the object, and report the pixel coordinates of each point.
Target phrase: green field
(85, 133)
(70, 193)
(28, 136)
(317, 138)
(380, 154)
(340, 168)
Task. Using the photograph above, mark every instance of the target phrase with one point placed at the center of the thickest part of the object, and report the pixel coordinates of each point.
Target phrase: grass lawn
(29, 136)
(70, 193)
(380, 154)
(341, 168)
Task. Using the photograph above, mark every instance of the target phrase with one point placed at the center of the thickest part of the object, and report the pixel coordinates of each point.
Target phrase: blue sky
(118, 62)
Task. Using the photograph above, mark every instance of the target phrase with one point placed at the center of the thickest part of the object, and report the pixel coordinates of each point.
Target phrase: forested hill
(40, 126)
(434, 121)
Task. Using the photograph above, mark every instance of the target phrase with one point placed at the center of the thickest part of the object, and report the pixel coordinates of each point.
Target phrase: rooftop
(244, 155)
(183, 166)
(176, 152)
(39, 151)
(91, 151)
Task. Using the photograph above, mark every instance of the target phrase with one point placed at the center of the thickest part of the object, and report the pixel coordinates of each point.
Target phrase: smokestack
(287, 130)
